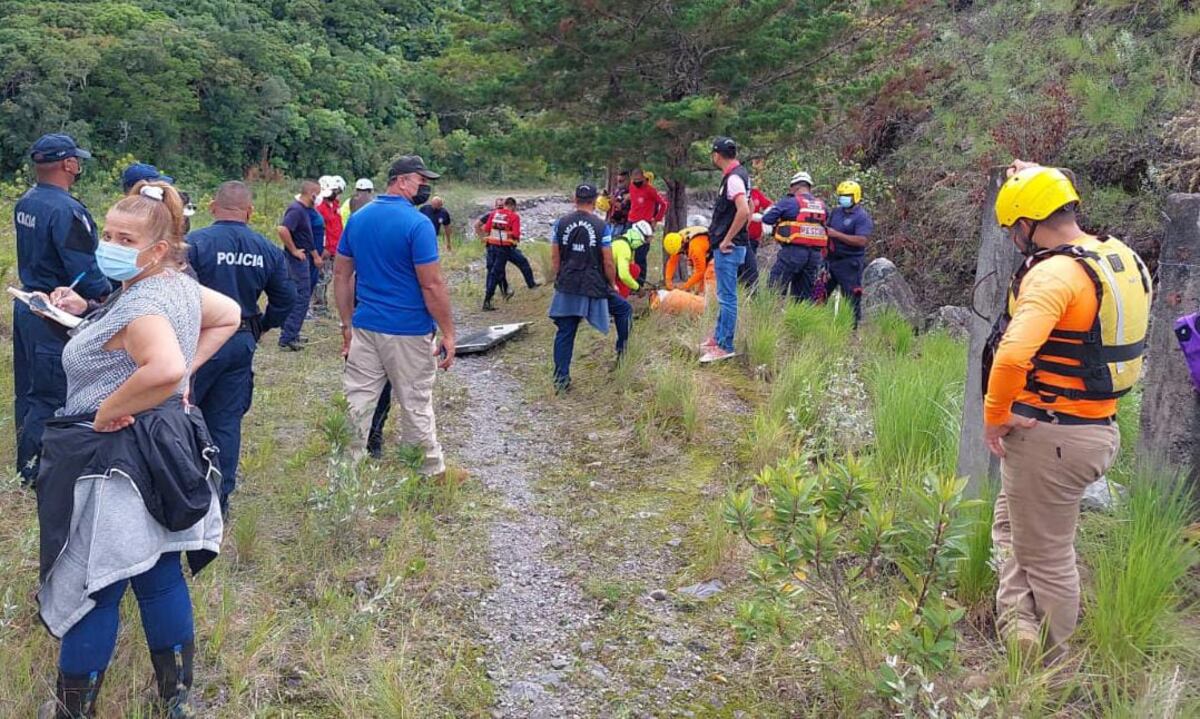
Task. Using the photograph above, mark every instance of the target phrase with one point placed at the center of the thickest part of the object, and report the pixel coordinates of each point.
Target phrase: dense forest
(914, 97)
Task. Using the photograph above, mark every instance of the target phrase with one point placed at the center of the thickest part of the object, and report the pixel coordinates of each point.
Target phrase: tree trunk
(676, 218)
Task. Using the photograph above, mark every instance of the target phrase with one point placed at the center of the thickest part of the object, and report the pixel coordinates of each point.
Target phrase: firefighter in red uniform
(502, 233)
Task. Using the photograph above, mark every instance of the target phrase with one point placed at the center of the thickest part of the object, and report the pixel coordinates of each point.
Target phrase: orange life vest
(808, 228)
(499, 234)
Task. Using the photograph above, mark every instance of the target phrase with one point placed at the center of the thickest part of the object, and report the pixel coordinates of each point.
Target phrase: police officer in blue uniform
(56, 244)
(234, 260)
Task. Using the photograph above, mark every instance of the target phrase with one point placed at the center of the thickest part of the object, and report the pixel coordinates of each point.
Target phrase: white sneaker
(716, 355)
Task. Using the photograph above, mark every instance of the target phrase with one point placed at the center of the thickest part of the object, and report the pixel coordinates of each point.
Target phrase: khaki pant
(410, 365)
(1043, 474)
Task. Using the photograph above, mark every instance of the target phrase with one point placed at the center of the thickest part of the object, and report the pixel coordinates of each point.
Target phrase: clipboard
(46, 310)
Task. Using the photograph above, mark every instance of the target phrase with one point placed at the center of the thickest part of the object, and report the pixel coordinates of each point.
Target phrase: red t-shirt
(758, 203)
(330, 210)
(646, 204)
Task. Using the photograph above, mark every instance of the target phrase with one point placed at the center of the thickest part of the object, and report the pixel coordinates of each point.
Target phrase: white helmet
(643, 228)
(801, 176)
(698, 221)
(364, 183)
(331, 184)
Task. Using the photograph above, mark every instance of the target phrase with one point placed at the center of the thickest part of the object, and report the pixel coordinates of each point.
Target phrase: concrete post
(998, 260)
(1170, 421)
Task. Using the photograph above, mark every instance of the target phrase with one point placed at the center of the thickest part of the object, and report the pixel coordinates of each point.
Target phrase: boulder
(884, 287)
(956, 321)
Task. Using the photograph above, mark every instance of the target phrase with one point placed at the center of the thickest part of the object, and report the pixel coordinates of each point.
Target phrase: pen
(75, 281)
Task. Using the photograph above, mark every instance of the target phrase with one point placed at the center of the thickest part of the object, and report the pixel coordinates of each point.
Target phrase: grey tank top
(94, 373)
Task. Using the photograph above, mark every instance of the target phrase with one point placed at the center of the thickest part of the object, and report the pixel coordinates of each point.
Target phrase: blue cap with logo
(55, 147)
(139, 171)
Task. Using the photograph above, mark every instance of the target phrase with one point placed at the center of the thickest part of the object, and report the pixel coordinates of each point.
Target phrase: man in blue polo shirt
(296, 232)
(849, 228)
(388, 261)
(236, 261)
(56, 246)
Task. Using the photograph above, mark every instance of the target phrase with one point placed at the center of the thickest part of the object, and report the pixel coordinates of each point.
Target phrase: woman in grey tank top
(131, 355)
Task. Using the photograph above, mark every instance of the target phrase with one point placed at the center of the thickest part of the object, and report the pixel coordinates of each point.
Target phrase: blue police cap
(55, 147)
(139, 171)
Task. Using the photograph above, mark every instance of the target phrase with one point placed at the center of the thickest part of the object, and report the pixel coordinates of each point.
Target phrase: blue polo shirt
(439, 217)
(387, 239)
(855, 221)
(296, 219)
(318, 229)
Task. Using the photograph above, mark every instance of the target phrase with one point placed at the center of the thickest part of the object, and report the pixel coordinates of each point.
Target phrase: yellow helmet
(851, 188)
(673, 243)
(1034, 193)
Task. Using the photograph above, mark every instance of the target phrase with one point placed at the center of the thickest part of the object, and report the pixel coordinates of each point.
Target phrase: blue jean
(39, 383)
(564, 339)
(846, 273)
(725, 267)
(299, 272)
(748, 270)
(223, 389)
(795, 271)
(163, 602)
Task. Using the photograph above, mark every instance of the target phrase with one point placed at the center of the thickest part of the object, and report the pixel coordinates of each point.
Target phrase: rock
(527, 691)
(1098, 497)
(551, 679)
(586, 647)
(884, 287)
(674, 542)
(598, 671)
(956, 321)
(559, 662)
(659, 595)
(703, 590)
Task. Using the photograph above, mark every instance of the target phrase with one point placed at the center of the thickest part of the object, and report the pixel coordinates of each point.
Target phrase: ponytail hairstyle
(161, 209)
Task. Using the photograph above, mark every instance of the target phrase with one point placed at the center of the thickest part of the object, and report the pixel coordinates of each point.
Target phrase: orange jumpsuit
(697, 253)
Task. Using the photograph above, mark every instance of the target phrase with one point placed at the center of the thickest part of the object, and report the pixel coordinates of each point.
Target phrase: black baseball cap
(406, 164)
(585, 192)
(55, 147)
(724, 145)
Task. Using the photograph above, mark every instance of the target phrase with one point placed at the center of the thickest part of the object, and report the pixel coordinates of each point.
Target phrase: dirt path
(536, 614)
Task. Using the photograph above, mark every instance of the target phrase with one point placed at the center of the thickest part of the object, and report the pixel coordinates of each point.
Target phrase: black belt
(1043, 415)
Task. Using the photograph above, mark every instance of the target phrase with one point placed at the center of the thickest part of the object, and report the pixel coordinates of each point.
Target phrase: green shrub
(763, 325)
(888, 332)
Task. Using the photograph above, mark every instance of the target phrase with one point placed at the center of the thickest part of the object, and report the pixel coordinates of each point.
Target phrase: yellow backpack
(1110, 353)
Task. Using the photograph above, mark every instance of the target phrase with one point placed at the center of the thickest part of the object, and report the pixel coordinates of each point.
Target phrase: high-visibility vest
(808, 228)
(1108, 356)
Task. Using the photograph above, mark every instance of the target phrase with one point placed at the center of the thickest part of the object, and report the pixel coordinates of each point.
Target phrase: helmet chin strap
(1030, 248)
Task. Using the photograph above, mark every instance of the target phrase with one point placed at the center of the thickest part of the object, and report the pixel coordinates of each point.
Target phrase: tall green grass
(821, 325)
(792, 411)
(675, 398)
(975, 584)
(763, 326)
(1138, 563)
(916, 407)
(889, 333)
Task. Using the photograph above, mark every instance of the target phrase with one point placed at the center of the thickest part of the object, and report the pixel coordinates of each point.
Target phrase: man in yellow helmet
(849, 227)
(1069, 344)
(695, 240)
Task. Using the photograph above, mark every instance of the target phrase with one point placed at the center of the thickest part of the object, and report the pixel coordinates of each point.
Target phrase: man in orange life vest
(799, 222)
(502, 231)
(1069, 343)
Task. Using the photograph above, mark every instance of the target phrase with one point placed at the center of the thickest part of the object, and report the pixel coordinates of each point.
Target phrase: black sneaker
(293, 346)
(489, 307)
(509, 295)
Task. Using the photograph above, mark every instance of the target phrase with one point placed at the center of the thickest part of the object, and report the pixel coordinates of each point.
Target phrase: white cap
(801, 177)
(364, 183)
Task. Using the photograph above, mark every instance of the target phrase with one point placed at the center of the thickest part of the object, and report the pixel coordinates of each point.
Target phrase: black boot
(74, 697)
(488, 306)
(173, 672)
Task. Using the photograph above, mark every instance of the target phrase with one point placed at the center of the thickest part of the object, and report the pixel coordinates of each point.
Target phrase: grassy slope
(321, 607)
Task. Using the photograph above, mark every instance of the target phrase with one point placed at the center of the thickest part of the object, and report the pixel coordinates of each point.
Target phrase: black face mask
(423, 193)
(639, 183)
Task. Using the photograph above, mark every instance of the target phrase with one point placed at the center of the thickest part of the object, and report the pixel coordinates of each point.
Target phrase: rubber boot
(74, 697)
(173, 672)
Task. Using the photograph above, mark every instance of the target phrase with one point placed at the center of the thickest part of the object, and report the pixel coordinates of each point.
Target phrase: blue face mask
(117, 262)
(846, 201)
